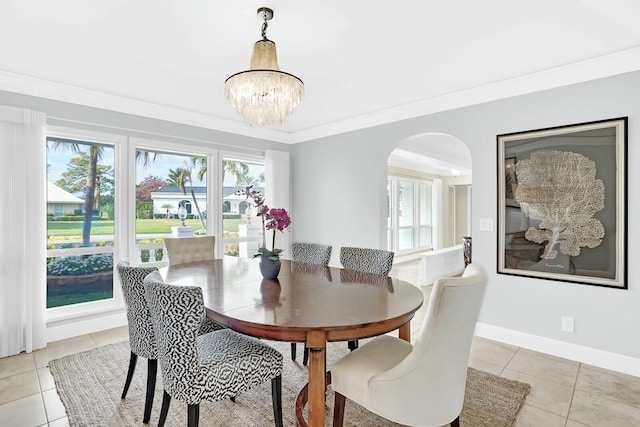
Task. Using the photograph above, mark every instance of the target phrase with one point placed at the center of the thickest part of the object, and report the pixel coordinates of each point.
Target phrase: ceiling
(362, 62)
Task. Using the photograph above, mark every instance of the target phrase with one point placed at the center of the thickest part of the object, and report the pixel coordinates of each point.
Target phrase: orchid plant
(276, 219)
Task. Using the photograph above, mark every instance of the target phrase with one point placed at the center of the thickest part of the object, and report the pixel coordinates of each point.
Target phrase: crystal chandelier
(264, 95)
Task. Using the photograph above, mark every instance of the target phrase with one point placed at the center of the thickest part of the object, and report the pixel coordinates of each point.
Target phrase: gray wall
(88, 118)
(339, 186)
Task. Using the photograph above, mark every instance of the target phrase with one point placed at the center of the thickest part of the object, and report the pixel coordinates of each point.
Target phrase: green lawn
(143, 226)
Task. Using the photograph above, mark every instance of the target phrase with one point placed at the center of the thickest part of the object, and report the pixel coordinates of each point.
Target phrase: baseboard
(591, 356)
(63, 329)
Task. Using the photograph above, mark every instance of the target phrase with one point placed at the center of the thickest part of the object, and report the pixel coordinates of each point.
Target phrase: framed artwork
(510, 180)
(562, 203)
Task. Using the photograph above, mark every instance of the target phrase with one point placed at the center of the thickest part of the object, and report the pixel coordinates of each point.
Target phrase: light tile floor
(564, 393)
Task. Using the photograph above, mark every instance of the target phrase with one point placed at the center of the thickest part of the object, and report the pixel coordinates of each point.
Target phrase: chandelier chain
(264, 26)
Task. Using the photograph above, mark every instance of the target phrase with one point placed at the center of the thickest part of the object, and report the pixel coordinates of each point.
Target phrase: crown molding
(592, 69)
(32, 86)
(603, 66)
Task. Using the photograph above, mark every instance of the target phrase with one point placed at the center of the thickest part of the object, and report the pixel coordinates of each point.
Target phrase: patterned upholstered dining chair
(310, 253)
(142, 340)
(190, 249)
(208, 367)
(421, 384)
(374, 261)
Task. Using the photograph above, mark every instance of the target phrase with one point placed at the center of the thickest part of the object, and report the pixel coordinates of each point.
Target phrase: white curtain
(23, 230)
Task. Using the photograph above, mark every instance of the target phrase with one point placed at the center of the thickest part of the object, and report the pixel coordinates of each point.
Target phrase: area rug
(90, 384)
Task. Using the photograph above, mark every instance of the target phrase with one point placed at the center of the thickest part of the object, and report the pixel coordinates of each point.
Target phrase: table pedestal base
(303, 398)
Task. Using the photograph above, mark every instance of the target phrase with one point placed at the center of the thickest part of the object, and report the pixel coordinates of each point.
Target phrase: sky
(57, 159)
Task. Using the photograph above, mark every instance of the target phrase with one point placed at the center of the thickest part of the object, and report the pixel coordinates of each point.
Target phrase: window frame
(182, 149)
(239, 157)
(393, 221)
(116, 302)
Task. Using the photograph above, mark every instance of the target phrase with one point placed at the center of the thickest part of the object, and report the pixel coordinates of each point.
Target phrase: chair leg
(276, 396)
(166, 400)
(132, 367)
(456, 422)
(338, 409)
(293, 351)
(152, 370)
(305, 358)
(353, 345)
(193, 415)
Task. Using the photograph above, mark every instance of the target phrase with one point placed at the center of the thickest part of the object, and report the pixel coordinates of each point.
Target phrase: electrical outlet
(567, 324)
(486, 224)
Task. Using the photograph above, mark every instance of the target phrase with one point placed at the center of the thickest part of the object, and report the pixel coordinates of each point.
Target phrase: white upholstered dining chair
(421, 384)
(190, 249)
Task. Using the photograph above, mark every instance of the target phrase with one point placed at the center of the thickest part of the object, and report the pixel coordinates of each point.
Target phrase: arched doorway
(429, 194)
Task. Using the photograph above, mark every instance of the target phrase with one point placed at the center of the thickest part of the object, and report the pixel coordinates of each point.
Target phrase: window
(165, 181)
(409, 218)
(242, 229)
(137, 186)
(80, 221)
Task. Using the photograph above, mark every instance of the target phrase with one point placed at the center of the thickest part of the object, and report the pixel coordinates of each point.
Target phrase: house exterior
(60, 201)
(234, 200)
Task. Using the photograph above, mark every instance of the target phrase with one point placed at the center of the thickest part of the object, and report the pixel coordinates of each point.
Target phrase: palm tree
(167, 206)
(172, 176)
(246, 180)
(237, 169)
(95, 154)
(146, 157)
(185, 177)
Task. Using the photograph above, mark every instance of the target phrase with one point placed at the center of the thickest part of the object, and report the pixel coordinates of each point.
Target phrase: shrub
(231, 249)
(231, 216)
(80, 265)
(144, 210)
(145, 254)
(66, 217)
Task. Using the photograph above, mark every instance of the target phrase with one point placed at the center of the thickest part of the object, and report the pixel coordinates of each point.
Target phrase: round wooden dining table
(306, 303)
